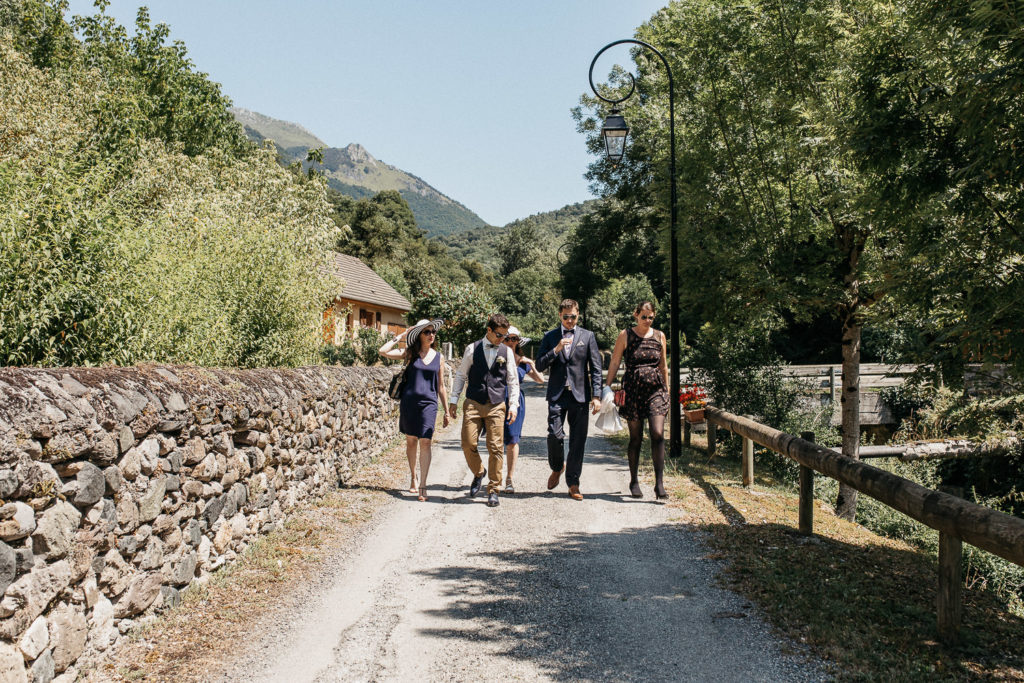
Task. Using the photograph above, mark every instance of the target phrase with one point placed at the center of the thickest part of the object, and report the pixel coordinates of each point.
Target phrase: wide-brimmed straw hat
(513, 331)
(413, 337)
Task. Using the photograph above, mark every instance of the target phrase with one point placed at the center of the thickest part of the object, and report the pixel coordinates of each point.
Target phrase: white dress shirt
(490, 353)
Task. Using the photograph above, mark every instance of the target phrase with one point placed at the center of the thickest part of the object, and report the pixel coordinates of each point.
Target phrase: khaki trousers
(476, 416)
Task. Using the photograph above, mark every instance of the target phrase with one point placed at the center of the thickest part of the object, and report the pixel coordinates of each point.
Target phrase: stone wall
(121, 487)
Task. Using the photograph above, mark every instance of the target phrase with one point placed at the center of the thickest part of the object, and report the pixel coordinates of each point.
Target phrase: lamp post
(614, 132)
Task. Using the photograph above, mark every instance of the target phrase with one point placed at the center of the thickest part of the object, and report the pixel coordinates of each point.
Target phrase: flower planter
(694, 416)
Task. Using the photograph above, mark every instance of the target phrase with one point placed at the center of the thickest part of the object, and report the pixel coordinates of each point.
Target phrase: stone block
(91, 485)
(140, 595)
(35, 639)
(20, 523)
(151, 502)
(55, 531)
(12, 664)
(68, 633)
(42, 670)
(26, 598)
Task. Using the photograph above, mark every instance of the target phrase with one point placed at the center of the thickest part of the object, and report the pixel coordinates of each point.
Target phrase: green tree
(518, 247)
(936, 90)
(464, 309)
(119, 241)
(529, 298)
(779, 220)
(611, 309)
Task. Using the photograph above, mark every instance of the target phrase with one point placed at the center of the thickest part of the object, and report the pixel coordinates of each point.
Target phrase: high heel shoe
(423, 493)
(659, 492)
(634, 489)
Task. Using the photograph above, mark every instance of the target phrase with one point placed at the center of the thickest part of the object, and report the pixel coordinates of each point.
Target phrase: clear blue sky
(473, 96)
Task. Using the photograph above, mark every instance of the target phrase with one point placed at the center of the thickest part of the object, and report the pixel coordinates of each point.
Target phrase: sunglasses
(514, 340)
(498, 335)
(647, 317)
(569, 317)
(430, 332)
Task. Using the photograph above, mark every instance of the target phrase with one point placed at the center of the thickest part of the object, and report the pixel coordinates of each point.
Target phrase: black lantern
(614, 132)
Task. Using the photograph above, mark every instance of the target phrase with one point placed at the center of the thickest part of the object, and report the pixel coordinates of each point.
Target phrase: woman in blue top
(424, 384)
(514, 430)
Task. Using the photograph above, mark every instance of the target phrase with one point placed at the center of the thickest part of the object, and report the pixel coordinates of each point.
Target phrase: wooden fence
(955, 519)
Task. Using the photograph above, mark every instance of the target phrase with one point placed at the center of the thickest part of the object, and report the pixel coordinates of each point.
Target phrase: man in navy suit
(571, 354)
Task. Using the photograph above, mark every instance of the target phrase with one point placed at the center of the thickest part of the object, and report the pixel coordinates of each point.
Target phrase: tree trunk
(849, 400)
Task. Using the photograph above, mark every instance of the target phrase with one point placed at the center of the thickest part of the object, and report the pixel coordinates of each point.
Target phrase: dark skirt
(417, 410)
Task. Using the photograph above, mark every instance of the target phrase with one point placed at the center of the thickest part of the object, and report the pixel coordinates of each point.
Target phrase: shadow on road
(629, 605)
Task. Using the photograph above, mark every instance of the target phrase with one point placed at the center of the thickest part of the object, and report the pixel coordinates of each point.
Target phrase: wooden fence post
(748, 459)
(712, 437)
(949, 602)
(831, 385)
(686, 433)
(806, 493)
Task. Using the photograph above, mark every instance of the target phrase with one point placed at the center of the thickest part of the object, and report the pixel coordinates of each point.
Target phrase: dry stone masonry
(121, 487)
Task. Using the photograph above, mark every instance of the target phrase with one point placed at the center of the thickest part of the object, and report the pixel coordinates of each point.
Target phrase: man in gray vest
(488, 367)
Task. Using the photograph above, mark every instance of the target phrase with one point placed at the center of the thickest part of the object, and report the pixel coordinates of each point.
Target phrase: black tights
(656, 427)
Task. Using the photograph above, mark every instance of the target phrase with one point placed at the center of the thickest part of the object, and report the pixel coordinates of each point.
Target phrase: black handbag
(398, 382)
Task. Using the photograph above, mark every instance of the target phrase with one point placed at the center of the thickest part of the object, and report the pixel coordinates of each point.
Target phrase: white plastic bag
(608, 420)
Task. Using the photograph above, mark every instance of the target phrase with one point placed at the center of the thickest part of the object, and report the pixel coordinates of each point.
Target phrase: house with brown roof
(366, 301)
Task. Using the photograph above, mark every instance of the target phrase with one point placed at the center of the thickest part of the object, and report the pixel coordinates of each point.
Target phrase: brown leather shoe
(574, 493)
(554, 478)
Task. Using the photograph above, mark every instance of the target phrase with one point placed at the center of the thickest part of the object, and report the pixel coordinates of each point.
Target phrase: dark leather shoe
(554, 478)
(574, 493)
(474, 488)
(492, 500)
(634, 489)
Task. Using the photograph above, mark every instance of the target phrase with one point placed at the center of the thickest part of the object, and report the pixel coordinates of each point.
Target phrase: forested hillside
(137, 222)
(552, 227)
(352, 170)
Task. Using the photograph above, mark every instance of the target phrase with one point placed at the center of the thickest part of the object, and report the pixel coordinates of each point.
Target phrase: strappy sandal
(423, 493)
(509, 488)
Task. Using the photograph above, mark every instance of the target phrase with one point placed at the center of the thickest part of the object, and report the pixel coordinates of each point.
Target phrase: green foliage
(552, 229)
(518, 246)
(611, 310)
(368, 342)
(529, 300)
(344, 353)
(392, 273)
(381, 230)
(135, 221)
(464, 309)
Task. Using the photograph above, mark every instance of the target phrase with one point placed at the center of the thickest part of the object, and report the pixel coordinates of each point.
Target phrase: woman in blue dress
(514, 430)
(424, 384)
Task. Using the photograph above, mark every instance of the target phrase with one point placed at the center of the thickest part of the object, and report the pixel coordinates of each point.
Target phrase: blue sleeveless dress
(417, 411)
(514, 431)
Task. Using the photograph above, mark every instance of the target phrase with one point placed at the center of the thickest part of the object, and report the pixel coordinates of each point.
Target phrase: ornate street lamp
(614, 133)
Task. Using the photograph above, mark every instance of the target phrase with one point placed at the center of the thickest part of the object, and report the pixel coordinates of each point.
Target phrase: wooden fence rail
(954, 518)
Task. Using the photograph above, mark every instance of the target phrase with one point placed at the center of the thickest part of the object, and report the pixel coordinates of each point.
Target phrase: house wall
(380, 318)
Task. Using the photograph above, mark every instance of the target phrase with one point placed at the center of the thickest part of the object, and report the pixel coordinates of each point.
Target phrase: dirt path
(542, 587)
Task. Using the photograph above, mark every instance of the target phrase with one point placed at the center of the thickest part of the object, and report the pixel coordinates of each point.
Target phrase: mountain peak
(285, 134)
(355, 172)
(357, 153)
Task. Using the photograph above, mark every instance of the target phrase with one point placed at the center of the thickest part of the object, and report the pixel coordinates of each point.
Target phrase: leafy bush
(746, 379)
(368, 342)
(135, 222)
(339, 354)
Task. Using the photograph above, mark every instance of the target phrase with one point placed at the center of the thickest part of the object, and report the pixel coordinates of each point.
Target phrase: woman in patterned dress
(645, 383)
(424, 384)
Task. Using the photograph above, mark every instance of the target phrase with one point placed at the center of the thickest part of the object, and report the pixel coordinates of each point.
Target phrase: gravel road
(540, 588)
